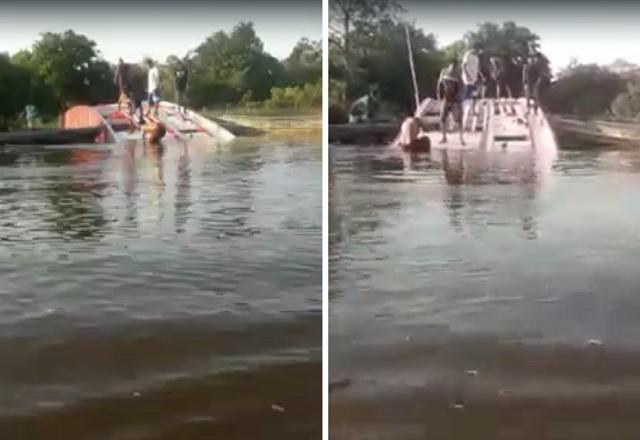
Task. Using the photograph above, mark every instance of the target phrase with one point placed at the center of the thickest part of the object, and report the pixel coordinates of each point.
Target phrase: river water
(489, 295)
(161, 294)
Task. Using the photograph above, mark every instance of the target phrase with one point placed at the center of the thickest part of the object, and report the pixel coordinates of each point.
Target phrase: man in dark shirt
(135, 83)
(450, 94)
(181, 74)
(536, 77)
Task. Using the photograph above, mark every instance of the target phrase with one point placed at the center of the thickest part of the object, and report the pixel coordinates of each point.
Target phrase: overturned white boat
(116, 125)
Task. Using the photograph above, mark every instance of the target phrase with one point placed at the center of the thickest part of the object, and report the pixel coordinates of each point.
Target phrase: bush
(307, 96)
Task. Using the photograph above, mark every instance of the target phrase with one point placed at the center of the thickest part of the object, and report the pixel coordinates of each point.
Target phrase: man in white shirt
(470, 72)
(153, 83)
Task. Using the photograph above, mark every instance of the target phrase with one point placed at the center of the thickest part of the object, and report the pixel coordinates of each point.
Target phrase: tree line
(368, 46)
(65, 69)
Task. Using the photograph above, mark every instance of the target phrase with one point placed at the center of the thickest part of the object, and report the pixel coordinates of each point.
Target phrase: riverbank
(280, 401)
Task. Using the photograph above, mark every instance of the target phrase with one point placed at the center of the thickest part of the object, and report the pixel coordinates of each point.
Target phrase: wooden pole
(413, 69)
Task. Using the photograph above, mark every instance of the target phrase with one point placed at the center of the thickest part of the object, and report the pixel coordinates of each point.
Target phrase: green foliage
(229, 65)
(64, 69)
(508, 40)
(307, 96)
(374, 51)
(367, 44)
(454, 51)
(585, 90)
(69, 64)
(304, 65)
(14, 88)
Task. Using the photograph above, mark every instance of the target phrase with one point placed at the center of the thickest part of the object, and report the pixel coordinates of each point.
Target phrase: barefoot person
(536, 78)
(470, 75)
(135, 85)
(153, 87)
(449, 93)
(120, 79)
(180, 76)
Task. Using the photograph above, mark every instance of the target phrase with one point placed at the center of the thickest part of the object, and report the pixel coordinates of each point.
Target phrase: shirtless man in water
(410, 140)
(450, 93)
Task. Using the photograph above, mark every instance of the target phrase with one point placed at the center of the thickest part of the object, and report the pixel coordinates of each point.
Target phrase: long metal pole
(413, 69)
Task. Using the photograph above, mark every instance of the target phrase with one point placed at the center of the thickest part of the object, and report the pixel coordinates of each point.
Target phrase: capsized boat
(116, 125)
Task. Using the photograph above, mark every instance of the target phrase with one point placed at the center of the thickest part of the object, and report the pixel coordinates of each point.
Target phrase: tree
(585, 90)
(349, 20)
(509, 40)
(69, 64)
(304, 64)
(455, 50)
(384, 61)
(14, 90)
(229, 66)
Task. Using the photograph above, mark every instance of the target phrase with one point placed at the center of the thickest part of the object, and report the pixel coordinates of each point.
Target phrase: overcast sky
(135, 29)
(591, 32)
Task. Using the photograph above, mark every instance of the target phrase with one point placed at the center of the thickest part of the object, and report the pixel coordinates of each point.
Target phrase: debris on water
(221, 235)
(408, 338)
(458, 404)
(594, 343)
(472, 372)
(277, 408)
(340, 384)
(136, 394)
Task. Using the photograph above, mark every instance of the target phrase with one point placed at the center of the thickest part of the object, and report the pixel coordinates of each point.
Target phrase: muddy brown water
(161, 294)
(484, 295)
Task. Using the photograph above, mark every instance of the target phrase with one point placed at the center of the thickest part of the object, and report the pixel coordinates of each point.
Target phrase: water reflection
(132, 267)
(464, 283)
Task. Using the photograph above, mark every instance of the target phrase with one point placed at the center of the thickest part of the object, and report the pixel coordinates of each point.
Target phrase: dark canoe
(56, 136)
(594, 131)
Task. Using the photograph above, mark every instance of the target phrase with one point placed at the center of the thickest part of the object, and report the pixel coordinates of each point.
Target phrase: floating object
(594, 343)
(277, 408)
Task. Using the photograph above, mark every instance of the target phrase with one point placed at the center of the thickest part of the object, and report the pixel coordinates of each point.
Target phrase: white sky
(592, 33)
(138, 29)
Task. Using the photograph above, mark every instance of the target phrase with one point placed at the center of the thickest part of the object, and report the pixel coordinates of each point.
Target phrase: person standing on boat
(120, 80)
(181, 74)
(153, 87)
(449, 91)
(470, 74)
(536, 77)
(135, 84)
